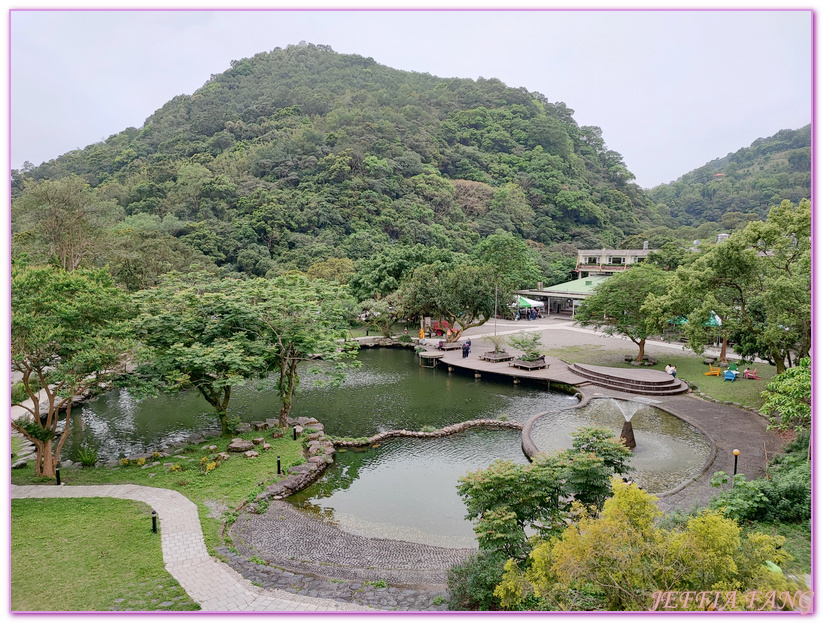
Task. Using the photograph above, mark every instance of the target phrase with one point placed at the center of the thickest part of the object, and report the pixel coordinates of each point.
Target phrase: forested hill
(743, 185)
(302, 154)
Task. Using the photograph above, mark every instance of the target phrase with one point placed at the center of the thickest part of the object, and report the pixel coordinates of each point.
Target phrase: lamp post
(736, 453)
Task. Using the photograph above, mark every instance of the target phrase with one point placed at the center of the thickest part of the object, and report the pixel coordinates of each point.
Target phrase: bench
(529, 365)
(450, 345)
(492, 356)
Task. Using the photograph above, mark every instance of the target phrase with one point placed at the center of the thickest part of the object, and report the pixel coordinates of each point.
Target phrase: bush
(784, 496)
(472, 582)
(87, 455)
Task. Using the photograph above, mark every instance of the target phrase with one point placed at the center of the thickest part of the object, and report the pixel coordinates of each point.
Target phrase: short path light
(278, 466)
(736, 453)
(154, 521)
(57, 472)
(295, 433)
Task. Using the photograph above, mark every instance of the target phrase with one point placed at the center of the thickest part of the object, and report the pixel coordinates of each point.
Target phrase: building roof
(571, 289)
(624, 252)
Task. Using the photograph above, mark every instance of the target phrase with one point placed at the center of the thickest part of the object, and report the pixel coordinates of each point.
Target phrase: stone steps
(652, 384)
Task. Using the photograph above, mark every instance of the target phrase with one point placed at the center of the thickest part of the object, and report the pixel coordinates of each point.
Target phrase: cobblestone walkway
(213, 585)
(307, 555)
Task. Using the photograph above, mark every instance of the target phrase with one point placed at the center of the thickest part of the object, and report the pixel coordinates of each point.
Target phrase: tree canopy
(616, 306)
(67, 336)
(213, 334)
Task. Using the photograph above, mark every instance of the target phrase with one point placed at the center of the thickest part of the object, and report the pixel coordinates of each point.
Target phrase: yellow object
(712, 371)
(421, 334)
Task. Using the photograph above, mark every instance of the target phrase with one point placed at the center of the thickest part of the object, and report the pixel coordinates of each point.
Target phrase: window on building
(617, 260)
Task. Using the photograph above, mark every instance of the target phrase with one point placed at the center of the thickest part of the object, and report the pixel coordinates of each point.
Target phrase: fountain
(627, 433)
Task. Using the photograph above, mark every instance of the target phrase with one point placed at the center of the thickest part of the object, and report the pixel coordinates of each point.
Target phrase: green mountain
(743, 185)
(301, 155)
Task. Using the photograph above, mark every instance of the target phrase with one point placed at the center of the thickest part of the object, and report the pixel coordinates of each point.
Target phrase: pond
(390, 391)
(405, 488)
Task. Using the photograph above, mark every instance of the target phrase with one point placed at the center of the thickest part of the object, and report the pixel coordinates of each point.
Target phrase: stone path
(213, 585)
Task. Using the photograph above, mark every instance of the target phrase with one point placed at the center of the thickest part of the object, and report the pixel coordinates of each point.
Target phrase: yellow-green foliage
(623, 559)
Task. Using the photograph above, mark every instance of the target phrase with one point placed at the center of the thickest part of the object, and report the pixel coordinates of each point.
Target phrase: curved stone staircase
(649, 382)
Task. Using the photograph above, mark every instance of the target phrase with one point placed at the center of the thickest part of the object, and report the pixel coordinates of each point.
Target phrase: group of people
(528, 314)
(467, 348)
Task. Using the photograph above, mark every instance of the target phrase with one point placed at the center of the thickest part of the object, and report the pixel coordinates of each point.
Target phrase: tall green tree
(463, 295)
(789, 397)
(213, 334)
(304, 321)
(64, 221)
(616, 305)
(67, 336)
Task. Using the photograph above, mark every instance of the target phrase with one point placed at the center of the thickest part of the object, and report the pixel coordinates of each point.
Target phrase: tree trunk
(288, 378)
(224, 423)
(45, 461)
(723, 344)
(641, 345)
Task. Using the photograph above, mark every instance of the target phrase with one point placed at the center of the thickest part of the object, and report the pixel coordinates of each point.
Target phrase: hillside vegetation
(742, 186)
(302, 155)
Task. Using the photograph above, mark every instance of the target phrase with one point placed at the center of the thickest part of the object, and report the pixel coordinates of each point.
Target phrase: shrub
(784, 496)
(141, 461)
(87, 455)
(124, 462)
(176, 468)
(472, 582)
(404, 339)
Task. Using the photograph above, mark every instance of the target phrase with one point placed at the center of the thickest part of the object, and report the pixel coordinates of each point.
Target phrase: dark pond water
(406, 488)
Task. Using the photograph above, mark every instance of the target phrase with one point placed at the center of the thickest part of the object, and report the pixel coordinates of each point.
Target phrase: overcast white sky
(671, 90)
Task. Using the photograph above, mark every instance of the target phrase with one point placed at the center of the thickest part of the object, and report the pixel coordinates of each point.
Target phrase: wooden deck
(556, 371)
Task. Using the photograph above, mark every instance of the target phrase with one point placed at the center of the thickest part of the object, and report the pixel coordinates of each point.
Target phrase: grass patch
(89, 554)
(230, 483)
(798, 543)
(16, 445)
(689, 368)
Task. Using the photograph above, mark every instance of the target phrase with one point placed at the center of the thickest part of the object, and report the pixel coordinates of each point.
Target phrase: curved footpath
(213, 585)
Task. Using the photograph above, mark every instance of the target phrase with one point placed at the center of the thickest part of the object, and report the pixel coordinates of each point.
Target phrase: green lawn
(88, 554)
(215, 492)
(690, 368)
(16, 444)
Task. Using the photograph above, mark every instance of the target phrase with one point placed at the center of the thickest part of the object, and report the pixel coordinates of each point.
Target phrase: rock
(209, 448)
(211, 433)
(313, 436)
(304, 468)
(196, 438)
(243, 428)
(251, 454)
(258, 441)
(266, 446)
(19, 464)
(319, 460)
(299, 430)
(273, 422)
(112, 463)
(223, 456)
(259, 425)
(66, 463)
(240, 445)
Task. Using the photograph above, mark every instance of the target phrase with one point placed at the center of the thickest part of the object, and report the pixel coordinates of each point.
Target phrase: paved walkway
(212, 584)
